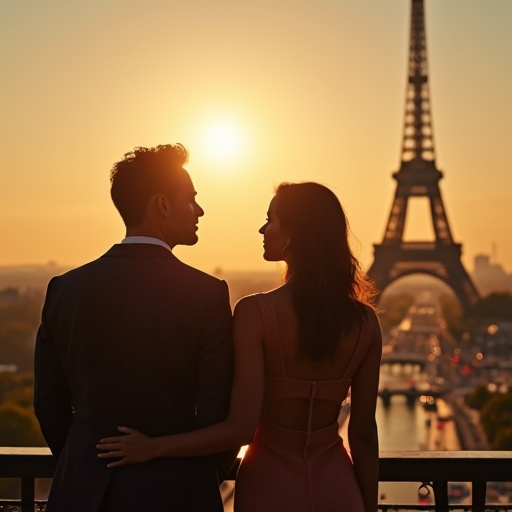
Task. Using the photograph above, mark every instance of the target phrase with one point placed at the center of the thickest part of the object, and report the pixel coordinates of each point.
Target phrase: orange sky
(313, 91)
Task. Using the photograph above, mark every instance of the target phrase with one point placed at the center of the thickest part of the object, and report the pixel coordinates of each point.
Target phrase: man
(136, 338)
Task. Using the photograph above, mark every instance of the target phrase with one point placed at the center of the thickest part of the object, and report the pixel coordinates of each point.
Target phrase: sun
(223, 141)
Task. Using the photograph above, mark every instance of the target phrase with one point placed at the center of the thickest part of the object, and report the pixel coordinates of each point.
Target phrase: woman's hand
(130, 448)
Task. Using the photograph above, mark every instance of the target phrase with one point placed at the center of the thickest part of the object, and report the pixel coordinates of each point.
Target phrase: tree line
(20, 315)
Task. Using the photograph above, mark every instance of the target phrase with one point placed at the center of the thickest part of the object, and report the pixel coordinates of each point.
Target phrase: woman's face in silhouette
(275, 239)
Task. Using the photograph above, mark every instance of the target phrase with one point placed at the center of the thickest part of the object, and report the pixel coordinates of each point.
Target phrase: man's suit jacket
(135, 338)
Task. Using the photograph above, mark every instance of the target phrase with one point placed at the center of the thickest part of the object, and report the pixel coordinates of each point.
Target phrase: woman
(298, 350)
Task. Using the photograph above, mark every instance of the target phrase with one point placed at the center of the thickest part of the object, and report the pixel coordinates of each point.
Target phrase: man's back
(134, 338)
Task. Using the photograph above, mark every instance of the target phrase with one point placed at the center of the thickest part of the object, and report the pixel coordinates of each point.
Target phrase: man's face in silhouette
(182, 224)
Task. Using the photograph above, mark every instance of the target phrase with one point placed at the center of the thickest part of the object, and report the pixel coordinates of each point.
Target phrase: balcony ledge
(434, 468)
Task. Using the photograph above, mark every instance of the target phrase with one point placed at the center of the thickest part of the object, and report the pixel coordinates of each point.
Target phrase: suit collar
(139, 250)
(145, 240)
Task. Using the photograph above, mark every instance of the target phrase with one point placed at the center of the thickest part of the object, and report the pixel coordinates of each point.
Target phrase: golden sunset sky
(301, 90)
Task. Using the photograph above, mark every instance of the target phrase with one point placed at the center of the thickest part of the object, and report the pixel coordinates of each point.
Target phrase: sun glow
(223, 141)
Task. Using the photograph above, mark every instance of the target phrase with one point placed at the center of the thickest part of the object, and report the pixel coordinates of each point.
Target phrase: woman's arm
(362, 428)
(245, 409)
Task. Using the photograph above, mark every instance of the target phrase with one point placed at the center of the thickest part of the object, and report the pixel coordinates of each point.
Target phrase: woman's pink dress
(298, 471)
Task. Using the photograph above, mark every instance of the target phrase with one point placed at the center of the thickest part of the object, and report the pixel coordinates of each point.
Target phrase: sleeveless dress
(292, 470)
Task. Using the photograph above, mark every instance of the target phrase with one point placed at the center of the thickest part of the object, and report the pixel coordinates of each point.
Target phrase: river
(401, 428)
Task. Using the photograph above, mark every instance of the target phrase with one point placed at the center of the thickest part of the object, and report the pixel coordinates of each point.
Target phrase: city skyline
(297, 91)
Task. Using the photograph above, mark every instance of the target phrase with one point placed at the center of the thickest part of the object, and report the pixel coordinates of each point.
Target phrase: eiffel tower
(418, 177)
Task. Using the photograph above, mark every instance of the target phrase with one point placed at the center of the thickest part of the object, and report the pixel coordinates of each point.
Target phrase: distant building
(24, 277)
(490, 277)
(11, 368)
(9, 295)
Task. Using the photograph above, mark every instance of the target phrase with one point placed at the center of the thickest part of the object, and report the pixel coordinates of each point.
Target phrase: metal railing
(431, 470)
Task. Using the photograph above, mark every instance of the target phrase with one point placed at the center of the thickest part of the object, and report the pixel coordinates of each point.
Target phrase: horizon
(219, 269)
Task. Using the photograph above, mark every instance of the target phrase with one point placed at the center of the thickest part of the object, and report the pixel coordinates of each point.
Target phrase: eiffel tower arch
(418, 176)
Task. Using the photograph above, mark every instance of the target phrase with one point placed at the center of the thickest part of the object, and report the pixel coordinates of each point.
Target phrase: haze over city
(259, 92)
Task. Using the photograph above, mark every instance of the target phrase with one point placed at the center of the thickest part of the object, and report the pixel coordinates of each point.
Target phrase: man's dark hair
(142, 173)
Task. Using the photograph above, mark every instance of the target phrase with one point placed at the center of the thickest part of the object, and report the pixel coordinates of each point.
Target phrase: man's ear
(163, 205)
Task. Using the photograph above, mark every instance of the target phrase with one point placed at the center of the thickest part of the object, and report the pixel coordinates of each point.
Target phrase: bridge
(412, 388)
(403, 359)
(411, 393)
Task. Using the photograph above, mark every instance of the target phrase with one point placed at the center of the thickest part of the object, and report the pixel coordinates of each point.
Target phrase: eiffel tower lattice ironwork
(418, 176)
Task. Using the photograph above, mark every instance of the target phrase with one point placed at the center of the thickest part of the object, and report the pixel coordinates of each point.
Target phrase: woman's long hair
(328, 286)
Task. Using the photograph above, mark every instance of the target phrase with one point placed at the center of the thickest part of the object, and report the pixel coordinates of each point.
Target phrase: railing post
(27, 494)
(479, 490)
(441, 495)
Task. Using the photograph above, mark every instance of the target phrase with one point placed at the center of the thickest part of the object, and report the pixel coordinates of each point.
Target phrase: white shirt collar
(145, 240)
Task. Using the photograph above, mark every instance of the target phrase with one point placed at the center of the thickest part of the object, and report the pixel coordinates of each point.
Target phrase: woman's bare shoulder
(374, 329)
(245, 303)
(370, 313)
(248, 306)
(247, 317)
(274, 295)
